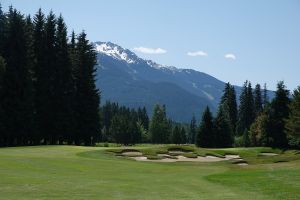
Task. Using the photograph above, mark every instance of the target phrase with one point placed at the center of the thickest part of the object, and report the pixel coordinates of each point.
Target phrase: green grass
(70, 172)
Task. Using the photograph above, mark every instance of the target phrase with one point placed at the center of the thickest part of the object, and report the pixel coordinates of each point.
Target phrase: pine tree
(279, 112)
(192, 131)
(292, 126)
(229, 100)
(265, 96)
(143, 117)
(87, 95)
(159, 126)
(2, 116)
(183, 136)
(222, 129)
(63, 87)
(40, 74)
(258, 102)
(3, 28)
(205, 135)
(246, 138)
(18, 92)
(246, 114)
(176, 135)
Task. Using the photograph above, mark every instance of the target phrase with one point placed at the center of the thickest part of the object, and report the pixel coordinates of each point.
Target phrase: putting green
(71, 172)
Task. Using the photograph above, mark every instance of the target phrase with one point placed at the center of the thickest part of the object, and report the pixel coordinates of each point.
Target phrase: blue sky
(232, 40)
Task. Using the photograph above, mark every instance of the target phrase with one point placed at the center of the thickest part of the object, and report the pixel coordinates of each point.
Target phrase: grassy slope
(69, 172)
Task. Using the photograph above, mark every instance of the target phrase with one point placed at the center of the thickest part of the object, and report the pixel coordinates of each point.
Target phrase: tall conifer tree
(205, 135)
(87, 95)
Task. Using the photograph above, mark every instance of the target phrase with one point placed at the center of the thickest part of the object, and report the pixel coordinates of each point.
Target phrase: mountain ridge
(124, 77)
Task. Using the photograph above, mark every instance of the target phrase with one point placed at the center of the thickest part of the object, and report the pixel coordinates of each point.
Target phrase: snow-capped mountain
(125, 78)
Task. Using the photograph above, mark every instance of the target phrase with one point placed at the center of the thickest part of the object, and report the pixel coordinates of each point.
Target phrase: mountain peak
(116, 51)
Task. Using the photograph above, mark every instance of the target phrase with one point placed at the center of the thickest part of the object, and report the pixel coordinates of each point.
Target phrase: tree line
(48, 96)
(47, 82)
(255, 122)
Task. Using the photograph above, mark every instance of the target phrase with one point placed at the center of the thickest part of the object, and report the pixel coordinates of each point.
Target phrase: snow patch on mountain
(115, 51)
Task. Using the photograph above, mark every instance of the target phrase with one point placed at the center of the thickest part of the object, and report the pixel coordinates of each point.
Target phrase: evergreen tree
(258, 102)
(120, 129)
(41, 76)
(222, 129)
(18, 92)
(265, 96)
(176, 135)
(2, 117)
(3, 28)
(87, 95)
(229, 100)
(260, 131)
(205, 135)
(159, 126)
(143, 117)
(183, 136)
(246, 114)
(193, 131)
(63, 85)
(292, 126)
(279, 112)
(51, 134)
(246, 138)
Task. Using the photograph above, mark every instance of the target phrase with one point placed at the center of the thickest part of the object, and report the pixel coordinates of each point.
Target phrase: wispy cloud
(197, 53)
(230, 56)
(147, 50)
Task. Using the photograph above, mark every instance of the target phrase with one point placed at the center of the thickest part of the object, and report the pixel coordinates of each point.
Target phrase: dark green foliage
(229, 100)
(38, 102)
(246, 114)
(17, 102)
(2, 117)
(176, 135)
(278, 113)
(260, 130)
(292, 126)
(136, 130)
(265, 96)
(143, 117)
(258, 102)
(222, 129)
(3, 29)
(205, 136)
(246, 139)
(192, 131)
(87, 95)
(63, 86)
(120, 129)
(160, 127)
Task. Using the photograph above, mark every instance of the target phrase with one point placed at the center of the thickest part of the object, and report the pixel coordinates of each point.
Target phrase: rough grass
(70, 172)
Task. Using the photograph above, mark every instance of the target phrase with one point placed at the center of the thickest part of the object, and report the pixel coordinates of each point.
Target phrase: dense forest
(48, 96)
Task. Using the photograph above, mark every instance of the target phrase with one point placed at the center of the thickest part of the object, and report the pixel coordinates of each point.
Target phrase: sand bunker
(132, 153)
(185, 159)
(268, 154)
(242, 164)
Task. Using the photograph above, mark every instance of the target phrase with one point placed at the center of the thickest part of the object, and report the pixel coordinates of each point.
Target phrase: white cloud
(197, 53)
(230, 56)
(149, 50)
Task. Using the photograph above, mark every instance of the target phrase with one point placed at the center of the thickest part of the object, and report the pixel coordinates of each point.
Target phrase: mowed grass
(72, 172)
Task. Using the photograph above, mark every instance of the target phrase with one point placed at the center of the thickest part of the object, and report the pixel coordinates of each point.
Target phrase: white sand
(268, 154)
(132, 153)
(185, 159)
(242, 164)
